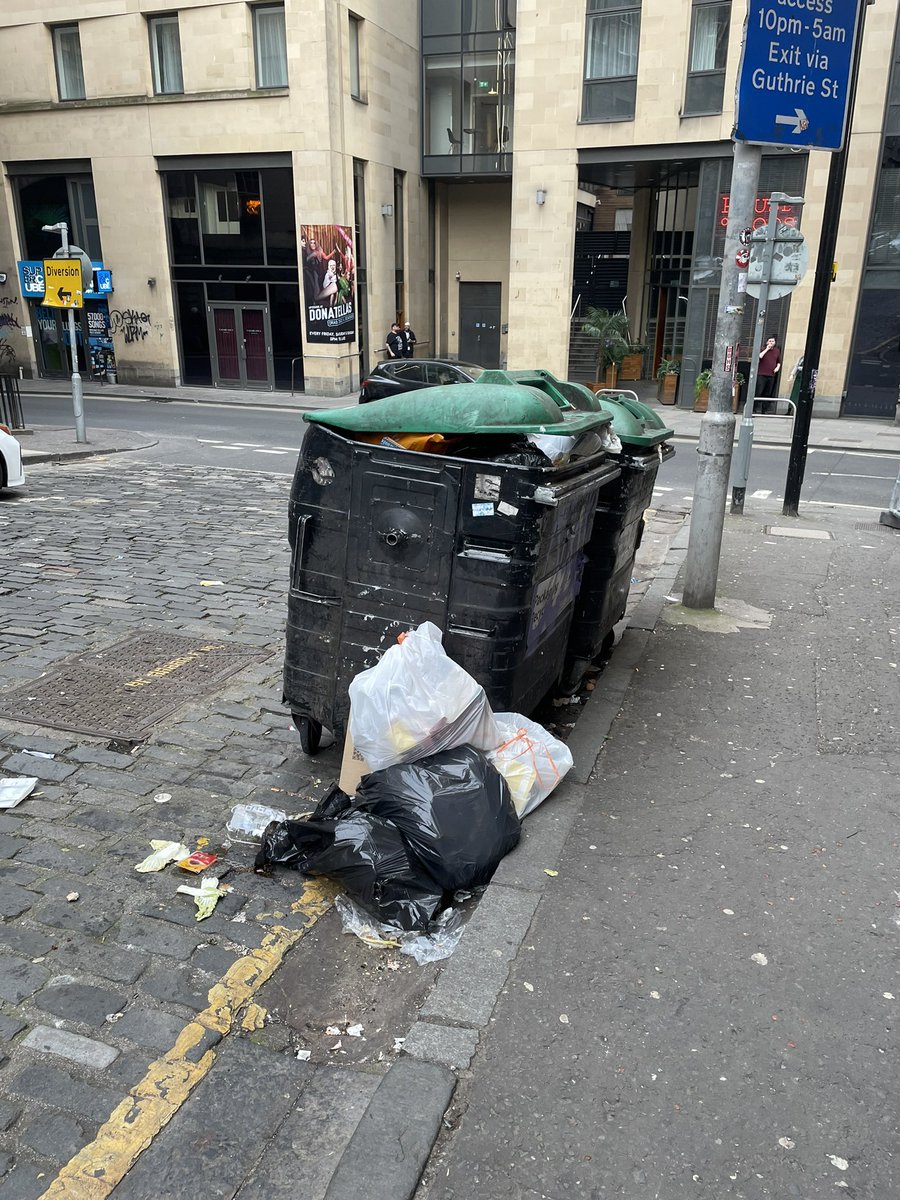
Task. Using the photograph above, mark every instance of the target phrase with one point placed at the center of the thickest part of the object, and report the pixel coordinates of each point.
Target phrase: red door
(227, 355)
(256, 358)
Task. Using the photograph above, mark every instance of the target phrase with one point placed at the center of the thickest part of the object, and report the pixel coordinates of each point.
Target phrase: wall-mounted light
(387, 210)
(2, 278)
(540, 196)
(457, 276)
(151, 282)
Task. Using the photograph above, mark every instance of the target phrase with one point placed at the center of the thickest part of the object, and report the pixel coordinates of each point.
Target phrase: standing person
(409, 341)
(394, 342)
(767, 374)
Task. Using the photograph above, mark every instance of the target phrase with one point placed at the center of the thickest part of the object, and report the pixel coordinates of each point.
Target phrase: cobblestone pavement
(93, 990)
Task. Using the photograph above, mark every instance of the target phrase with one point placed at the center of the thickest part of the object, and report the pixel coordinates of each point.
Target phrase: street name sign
(794, 79)
(62, 283)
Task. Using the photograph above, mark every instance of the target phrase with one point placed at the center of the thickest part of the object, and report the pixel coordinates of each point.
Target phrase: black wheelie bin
(619, 521)
(434, 506)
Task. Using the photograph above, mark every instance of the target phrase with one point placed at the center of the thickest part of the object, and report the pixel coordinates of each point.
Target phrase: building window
(356, 88)
(610, 72)
(165, 55)
(709, 50)
(67, 52)
(271, 46)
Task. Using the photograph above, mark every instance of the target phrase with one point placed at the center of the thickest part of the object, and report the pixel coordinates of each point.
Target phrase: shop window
(356, 86)
(67, 53)
(706, 64)
(611, 60)
(270, 45)
(165, 55)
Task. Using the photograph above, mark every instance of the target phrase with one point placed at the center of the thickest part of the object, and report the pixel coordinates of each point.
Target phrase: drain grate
(874, 527)
(122, 691)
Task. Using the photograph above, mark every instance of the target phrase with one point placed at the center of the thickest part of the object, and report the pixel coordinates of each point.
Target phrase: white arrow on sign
(799, 120)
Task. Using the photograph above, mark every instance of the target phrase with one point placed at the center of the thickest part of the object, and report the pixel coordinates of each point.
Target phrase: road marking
(850, 453)
(210, 441)
(101, 1166)
(762, 494)
(292, 449)
(849, 475)
(662, 489)
(834, 504)
(260, 450)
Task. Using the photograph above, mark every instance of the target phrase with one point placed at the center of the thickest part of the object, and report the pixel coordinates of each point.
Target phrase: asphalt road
(268, 439)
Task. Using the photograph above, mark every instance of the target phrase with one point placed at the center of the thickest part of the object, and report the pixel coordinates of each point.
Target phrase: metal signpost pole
(701, 566)
(818, 308)
(745, 437)
(77, 393)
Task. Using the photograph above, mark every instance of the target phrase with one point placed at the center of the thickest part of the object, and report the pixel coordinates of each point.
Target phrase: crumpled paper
(206, 896)
(163, 854)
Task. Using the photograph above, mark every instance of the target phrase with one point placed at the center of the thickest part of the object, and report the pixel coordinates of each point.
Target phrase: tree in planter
(667, 374)
(632, 366)
(611, 331)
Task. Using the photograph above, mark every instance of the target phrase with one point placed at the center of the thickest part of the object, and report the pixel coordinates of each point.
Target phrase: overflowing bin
(619, 519)
(435, 506)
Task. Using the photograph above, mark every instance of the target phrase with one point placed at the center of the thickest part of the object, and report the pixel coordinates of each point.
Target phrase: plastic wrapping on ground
(437, 942)
(413, 833)
(531, 760)
(453, 810)
(417, 701)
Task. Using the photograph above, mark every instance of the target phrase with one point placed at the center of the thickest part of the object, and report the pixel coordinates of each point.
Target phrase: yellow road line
(100, 1166)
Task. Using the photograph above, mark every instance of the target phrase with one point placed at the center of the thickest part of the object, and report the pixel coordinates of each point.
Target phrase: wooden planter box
(701, 404)
(611, 376)
(668, 389)
(632, 367)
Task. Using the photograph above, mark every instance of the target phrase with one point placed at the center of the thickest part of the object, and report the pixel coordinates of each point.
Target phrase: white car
(12, 472)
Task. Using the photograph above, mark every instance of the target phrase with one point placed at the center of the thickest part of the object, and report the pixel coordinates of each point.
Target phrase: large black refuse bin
(385, 537)
(619, 519)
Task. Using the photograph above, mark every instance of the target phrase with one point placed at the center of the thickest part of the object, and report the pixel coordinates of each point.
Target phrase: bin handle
(297, 556)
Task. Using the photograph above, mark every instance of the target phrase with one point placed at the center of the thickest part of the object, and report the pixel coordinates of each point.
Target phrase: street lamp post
(77, 394)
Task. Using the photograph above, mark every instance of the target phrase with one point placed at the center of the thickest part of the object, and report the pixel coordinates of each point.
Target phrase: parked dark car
(407, 374)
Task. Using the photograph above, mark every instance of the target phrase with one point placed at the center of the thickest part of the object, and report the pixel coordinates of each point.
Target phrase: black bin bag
(453, 810)
(414, 832)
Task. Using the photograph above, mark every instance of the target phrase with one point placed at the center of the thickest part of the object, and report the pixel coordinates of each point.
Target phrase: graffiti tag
(134, 326)
(8, 301)
(7, 354)
(8, 321)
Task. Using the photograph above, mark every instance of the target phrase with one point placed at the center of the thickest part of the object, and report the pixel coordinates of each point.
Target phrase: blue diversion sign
(795, 72)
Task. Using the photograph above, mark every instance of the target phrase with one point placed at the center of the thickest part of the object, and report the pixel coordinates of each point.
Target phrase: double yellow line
(103, 1164)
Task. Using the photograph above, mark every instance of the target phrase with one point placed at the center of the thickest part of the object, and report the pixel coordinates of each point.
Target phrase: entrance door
(242, 345)
(479, 323)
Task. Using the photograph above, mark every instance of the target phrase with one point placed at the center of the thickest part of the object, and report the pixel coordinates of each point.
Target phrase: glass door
(242, 345)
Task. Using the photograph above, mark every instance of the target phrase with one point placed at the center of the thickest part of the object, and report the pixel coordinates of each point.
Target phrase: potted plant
(701, 390)
(739, 381)
(611, 332)
(632, 366)
(667, 374)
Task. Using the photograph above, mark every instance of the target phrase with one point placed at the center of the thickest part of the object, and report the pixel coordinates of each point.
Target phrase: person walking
(767, 375)
(409, 341)
(394, 342)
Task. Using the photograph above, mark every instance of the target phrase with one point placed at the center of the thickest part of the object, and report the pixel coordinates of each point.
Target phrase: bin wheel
(310, 733)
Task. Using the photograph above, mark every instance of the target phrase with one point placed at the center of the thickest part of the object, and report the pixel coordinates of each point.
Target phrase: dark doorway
(479, 323)
(875, 363)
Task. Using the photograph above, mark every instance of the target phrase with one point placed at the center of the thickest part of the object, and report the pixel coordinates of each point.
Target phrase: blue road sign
(795, 72)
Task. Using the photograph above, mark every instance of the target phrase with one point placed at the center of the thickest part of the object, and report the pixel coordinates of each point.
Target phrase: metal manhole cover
(122, 691)
(874, 527)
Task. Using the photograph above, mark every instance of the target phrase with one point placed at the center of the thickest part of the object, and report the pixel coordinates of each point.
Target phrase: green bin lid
(635, 424)
(470, 408)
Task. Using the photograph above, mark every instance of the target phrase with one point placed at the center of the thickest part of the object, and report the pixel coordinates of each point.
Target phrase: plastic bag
(417, 701)
(412, 833)
(558, 448)
(439, 941)
(453, 810)
(531, 760)
(367, 854)
(248, 822)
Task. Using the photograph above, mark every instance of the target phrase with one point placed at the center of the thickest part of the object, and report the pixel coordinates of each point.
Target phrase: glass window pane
(271, 47)
(184, 230)
(67, 48)
(280, 219)
(442, 104)
(165, 46)
(487, 103)
(441, 16)
(606, 5)
(355, 82)
(709, 39)
(231, 217)
(612, 101)
(613, 45)
(704, 93)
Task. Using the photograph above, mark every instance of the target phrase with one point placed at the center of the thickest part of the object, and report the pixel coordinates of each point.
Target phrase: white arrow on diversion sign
(799, 120)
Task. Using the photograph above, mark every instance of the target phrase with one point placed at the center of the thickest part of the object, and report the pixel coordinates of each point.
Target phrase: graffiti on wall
(130, 324)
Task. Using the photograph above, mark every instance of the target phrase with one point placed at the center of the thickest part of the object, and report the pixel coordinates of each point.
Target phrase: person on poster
(409, 341)
(394, 342)
(329, 289)
(767, 375)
